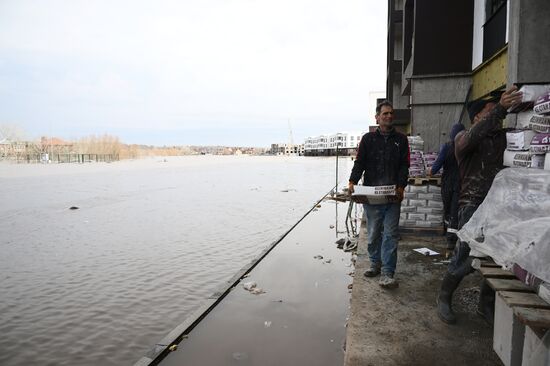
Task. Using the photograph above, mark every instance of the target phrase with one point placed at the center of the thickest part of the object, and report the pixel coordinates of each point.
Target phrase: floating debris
(350, 286)
(331, 226)
(267, 324)
(253, 288)
(318, 257)
(340, 243)
(328, 261)
(173, 347)
(74, 208)
(350, 245)
(240, 356)
(257, 291)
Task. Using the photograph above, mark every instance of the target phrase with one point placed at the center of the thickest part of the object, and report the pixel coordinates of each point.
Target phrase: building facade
(326, 145)
(287, 149)
(442, 54)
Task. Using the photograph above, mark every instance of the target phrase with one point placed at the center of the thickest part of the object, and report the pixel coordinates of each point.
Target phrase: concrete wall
(436, 105)
(529, 37)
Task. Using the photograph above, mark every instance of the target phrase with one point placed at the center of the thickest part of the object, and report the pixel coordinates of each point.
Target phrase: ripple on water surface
(150, 241)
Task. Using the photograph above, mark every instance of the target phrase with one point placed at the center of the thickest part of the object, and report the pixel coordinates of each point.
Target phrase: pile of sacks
(429, 160)
(416, 147)
(422, 207)
(529, 145)
(421, 162)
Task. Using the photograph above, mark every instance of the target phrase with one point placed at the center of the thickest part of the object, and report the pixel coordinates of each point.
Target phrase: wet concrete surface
(299, 320)
(401, 326)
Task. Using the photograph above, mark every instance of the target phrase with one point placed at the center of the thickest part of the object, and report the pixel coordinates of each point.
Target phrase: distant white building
(346, 142)
(287, 149)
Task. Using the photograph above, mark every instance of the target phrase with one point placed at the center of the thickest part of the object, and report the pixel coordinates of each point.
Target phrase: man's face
(385, 117)
(485, 111)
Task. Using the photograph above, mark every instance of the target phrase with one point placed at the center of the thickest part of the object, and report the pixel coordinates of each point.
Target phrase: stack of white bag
(512, 225)
(422, 207)
(429, 160)
(416, 147)
(529, 146)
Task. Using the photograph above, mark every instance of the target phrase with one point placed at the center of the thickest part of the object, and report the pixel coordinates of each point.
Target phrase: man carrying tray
(383, 155)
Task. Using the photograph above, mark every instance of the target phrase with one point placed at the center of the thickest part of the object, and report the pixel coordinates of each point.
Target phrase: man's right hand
(350, 187)
(511, 97)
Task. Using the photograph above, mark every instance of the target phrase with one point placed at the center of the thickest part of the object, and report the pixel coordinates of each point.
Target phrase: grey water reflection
(150, 241)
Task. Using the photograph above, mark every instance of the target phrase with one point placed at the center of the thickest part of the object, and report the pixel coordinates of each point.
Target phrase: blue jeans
(382, 235)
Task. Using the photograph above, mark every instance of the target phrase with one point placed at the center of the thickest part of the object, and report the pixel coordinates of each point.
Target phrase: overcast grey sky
(208, 72)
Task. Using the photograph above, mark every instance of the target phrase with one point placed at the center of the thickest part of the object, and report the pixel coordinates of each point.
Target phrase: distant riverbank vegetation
(14, 146)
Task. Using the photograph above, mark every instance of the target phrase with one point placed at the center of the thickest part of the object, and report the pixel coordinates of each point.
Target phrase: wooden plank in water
(523, 299)
(502, 284)
(491, 272)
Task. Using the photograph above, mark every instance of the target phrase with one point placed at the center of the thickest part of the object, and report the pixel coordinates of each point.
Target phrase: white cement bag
(540, 144)
(512, 225)
(519, 139)
(523, 159)
(423, 189)
(540, 123)
(523, 119)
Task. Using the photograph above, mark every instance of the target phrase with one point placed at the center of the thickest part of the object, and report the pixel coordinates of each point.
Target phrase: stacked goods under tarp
(529, 145)
(512, 225)
(422, 207)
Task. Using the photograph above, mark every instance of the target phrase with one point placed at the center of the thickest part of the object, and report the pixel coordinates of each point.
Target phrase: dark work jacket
(450, 179)
(383, 159)
(479, 152)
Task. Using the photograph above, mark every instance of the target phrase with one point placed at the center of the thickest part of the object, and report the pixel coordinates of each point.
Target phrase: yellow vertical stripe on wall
(490, 75)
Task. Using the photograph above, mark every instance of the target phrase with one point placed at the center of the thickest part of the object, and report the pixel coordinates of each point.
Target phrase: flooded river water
(150, 240)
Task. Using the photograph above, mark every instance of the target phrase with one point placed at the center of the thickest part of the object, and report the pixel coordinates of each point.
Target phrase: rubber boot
(486, 306)
(445, 298)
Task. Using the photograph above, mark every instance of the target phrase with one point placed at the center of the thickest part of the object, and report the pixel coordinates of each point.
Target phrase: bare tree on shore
(105, 145)
(11, 132)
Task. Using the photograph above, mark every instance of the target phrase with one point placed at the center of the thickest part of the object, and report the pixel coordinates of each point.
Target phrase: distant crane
(290, 139)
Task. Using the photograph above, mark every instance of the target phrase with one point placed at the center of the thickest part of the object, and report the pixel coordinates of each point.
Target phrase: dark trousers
(461, 262)
(450, 209)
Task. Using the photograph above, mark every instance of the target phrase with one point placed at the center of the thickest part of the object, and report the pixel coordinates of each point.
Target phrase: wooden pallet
(418, 181)
(503, 284)
(492, 272)
(415, 230)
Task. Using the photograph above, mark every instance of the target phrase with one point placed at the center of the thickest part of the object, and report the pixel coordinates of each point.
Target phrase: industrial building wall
(436, 105)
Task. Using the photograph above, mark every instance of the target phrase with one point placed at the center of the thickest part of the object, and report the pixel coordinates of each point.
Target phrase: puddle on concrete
(299, 320)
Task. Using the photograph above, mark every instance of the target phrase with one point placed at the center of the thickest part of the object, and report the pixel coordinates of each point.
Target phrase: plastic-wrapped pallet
(416, 147)
(415, 143)
(416, 168)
